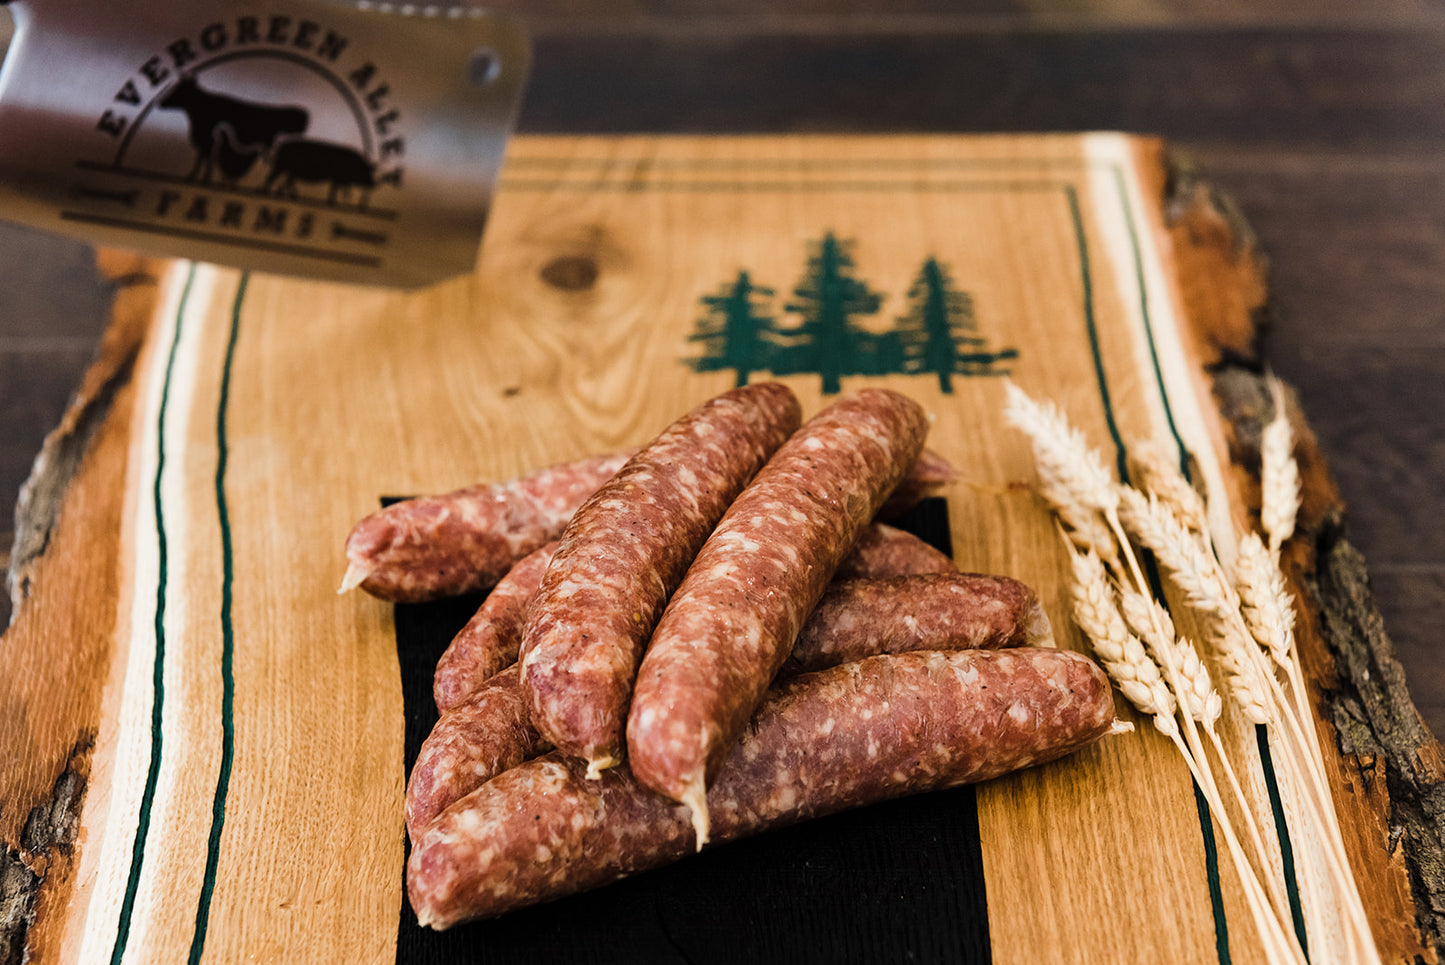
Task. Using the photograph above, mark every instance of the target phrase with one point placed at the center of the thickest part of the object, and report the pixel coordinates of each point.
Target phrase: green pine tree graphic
(734, 330)
(828, 298)
(937, 335)
(939, 332)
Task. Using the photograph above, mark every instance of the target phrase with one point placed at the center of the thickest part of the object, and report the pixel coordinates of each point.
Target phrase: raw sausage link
(926, 477)
(854, 735)
(463, 541)
(856, 619)
(936, 611)
(623, 554)
(883, 550)
(490, 640)
(437, 546)
(733, 620)
(483, 737)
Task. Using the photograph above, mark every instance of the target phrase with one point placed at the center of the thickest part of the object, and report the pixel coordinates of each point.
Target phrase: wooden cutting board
(204, 747)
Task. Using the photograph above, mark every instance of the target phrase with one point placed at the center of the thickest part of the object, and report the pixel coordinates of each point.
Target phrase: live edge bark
(1368, 701)
(37, 854)
(49, 836)
(1378, 723)
(1378, 726)
(42, 494)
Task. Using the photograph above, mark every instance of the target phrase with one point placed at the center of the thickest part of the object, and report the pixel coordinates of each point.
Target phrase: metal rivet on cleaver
(356, 143)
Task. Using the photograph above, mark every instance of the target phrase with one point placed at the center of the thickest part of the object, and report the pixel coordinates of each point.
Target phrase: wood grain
(1399, 886)
(252, 442)
(1349, 223)
(56, 656)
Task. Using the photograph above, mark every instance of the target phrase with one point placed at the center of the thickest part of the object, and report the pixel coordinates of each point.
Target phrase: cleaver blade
(351, 143)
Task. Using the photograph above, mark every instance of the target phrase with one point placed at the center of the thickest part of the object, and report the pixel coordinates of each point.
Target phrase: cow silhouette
(319, 162)
(227, 132)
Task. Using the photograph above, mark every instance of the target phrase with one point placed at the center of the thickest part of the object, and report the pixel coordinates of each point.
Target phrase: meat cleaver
(354, 143)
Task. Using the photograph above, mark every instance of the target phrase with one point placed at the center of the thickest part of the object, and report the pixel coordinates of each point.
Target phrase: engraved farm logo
(267, 132)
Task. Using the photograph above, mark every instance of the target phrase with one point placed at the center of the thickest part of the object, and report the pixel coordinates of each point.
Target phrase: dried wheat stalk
(1154, 472)
(1279, 474)
(1123, 656)
(1248, 618)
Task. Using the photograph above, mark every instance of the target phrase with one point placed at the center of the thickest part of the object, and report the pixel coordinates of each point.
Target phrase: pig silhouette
(319, 162)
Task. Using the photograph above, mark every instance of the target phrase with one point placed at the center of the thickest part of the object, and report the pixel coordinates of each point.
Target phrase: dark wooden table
(1325, 122)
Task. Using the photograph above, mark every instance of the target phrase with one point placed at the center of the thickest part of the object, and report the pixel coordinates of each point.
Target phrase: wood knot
(571, 273)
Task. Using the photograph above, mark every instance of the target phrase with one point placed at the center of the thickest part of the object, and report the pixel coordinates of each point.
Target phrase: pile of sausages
(706, 638)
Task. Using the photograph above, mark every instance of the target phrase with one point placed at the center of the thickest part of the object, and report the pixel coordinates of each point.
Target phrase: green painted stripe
(1148, 322)
(1206, 826)
(1211, 864)
(1286, 848)
(228, 638)
(1091, 324)
(137, 858)
(1281, 826)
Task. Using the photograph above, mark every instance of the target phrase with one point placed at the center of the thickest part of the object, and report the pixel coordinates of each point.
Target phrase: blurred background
(1325, 121)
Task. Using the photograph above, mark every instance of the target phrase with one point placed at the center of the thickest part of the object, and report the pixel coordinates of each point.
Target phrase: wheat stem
(1278, 941)
(1336, 861)
(1303, 758)
(1149, 620)
(1307, 765)
(1279, 507)
(1247, 616)
(1276, 894)
(1261, 897)
(1102, 623)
